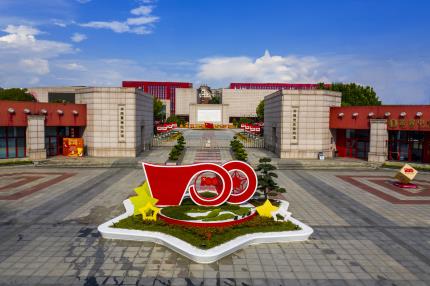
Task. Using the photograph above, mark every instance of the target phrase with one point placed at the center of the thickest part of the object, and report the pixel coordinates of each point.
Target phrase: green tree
(175, 119)
(215, 100)
(244, 120)
(260, 111)
(266, 183)
(158, 109)
(18, 94)
(354, 94)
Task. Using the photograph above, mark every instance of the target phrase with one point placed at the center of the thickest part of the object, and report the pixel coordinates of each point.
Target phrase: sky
(384, 43)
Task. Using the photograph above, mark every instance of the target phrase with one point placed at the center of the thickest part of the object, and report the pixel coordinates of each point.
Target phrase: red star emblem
(239, 182)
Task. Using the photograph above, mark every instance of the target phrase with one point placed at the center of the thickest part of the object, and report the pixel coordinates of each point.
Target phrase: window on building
(61, 97)
(12, 142)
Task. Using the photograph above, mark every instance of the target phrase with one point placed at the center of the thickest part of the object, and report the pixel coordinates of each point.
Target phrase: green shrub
(176, 151)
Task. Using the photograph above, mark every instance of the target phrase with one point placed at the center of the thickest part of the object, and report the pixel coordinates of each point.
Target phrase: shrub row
(177, 149)
(238, 149)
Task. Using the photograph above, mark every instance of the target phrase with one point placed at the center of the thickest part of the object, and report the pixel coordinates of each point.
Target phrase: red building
(161, 90)
(277, 86)
(403, 135)
(20, 127)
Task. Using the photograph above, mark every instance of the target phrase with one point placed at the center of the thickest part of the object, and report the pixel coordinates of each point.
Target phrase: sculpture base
(405, 186)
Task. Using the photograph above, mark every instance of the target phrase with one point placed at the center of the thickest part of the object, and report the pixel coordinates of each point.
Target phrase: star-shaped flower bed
(205, 234)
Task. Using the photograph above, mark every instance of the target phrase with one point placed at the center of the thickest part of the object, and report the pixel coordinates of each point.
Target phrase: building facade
(113, 122)
(301, 121)
(165, 91)
(380, 133)
(296, 123)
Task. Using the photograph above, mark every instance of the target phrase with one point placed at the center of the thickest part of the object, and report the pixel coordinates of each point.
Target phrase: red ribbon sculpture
(169, 184)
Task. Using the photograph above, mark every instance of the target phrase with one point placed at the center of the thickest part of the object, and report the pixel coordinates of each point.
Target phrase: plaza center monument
(204, 211)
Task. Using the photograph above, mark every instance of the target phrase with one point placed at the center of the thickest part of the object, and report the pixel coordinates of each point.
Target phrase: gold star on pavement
(143, 197)
(149, 212)
(266, 209)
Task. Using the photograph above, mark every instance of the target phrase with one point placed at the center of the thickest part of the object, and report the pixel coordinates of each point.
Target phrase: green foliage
(234, 122)
(260, 111)
(180, 212)
(158, 109)
(266, 182)
(215, 100)
(238, 149)
(175, 119)
(17, 94)
(354, 94)
(244, 120)
(207, 237)
(176, 151)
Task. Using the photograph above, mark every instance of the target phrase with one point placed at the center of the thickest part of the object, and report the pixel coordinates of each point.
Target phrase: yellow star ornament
(149, 212)
(143, 197)
(266, 209)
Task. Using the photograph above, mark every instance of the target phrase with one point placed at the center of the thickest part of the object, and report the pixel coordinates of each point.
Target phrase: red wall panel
(19, 118)
(395, 122)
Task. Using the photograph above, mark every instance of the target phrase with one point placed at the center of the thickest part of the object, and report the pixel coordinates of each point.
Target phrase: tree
(18, 94)
(354, 94)
(216, 99)
(158, 109)
(175, 119)
(266, 183)
(260, 111)
(244, 120)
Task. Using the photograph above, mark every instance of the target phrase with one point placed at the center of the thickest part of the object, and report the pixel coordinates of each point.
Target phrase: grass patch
(17, 162)
(398, 165)
(206, 238)
(180, 212)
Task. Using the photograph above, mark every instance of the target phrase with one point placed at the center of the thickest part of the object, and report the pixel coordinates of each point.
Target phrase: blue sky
(384, 43)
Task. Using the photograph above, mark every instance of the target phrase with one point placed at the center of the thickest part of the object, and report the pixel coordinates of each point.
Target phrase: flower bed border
(192, 252)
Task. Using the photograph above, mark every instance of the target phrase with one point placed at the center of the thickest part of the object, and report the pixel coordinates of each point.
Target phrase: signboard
(408, 123)
(209, 115)
(406, 174)
(73, 147)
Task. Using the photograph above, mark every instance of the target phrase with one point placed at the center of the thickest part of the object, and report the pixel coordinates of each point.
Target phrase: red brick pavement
(386, 182)
(23, 180)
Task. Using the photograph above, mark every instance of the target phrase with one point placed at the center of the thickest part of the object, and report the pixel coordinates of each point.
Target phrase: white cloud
(117, 27)
(395, 81)
(77, 37)
(142, 20)
(36, 66)
(142, 10)
(59, 23)
(24, 57)
(263, 69)
(71, 66)
(141, 25)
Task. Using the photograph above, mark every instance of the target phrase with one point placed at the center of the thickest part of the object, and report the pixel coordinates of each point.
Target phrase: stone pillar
(378, 149)
(36, 137)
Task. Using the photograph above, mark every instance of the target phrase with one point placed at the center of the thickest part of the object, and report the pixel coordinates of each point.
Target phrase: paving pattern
(50, 237)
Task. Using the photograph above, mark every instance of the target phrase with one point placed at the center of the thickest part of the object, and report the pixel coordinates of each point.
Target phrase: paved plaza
(366, 232)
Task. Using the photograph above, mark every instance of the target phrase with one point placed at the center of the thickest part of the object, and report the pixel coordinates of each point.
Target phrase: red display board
(73, 147)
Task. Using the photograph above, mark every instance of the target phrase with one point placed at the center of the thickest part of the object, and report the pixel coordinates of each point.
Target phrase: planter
(194, 253)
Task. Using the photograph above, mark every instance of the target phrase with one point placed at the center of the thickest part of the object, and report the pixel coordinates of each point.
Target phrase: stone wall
(304, 122)
(35, 137)
(378, 141)
(41, 93)
(185, 97)
(243, 102)
(114, 120)
(273, 123)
